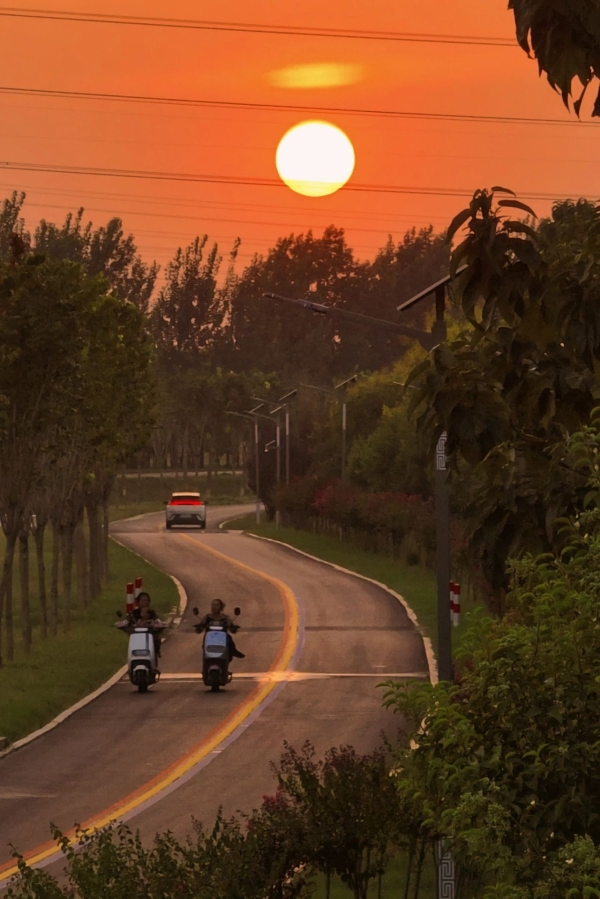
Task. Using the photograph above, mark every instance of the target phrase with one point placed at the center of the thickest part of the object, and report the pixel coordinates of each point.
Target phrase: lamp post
(344, 412)
(277, 441)
(254, 420)
(285, 406)
(278, 429)
(428, 340)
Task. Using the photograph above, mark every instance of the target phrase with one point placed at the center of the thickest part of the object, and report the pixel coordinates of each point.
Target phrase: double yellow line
(153, 788)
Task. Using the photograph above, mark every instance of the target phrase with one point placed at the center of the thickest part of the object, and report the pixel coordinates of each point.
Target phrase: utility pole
(284, 400)
(254, 412)
(442, 522)
(253, 419)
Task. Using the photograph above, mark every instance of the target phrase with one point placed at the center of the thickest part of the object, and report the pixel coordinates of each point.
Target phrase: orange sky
(551, 160)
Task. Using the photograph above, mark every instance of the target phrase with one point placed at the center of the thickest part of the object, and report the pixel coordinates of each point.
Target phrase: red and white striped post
(129, 598)
(138, 589)
(455, 603)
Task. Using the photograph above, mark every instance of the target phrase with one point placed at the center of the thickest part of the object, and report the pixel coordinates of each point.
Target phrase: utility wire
(236, 181)
(289, 107)
(201, 218)
(267, 208)
(253, 28)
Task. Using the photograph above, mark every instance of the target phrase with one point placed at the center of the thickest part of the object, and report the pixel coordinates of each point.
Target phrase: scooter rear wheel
(143, 687)
(215, 681)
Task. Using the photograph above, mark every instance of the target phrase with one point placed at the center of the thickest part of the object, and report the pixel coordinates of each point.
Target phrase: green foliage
(189, 313)
(564, 37)
(13, 236)
(506, 760)
(300, 346)
(104, 251)
(510, 387)
(348, 808)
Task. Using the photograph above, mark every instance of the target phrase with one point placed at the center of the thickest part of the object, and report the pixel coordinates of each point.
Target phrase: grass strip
(393, 883)
(417, 585)
(61, 670)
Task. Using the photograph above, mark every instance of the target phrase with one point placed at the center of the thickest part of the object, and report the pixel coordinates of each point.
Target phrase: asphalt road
(317, 643)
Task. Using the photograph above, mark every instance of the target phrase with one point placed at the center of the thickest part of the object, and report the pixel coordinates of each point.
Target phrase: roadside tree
(564, 38)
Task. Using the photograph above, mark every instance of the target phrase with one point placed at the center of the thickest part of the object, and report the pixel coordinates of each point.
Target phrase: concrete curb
(427, 644)
(174, 618)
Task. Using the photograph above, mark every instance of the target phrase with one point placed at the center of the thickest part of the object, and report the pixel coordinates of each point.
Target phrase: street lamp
(256, 461)
(285, 406)
(258, 415)
(344, 408)
(278, 437)
(428, 340)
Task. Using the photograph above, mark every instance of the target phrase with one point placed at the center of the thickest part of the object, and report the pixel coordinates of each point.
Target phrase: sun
(315, 158)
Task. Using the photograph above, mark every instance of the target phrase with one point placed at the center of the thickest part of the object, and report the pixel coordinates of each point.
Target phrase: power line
(267, 208)
(289, 107)
(254, 28)
(235, 181)
(200, 219)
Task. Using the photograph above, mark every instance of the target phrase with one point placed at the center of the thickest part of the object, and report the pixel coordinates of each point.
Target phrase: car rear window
(184, 500)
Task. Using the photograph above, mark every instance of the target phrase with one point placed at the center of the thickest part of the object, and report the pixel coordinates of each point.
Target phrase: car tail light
(186, 502)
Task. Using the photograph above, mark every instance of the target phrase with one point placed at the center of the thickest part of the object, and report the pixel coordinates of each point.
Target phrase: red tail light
(186, 502)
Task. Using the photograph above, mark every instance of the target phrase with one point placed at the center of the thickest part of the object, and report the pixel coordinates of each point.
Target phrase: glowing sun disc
(315, 158)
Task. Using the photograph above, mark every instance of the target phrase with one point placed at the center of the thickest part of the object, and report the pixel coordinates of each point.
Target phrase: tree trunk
(185, 451)
(67, 558)
(6, 595)
(419, 871)
(54, 589)
(41, 573)
(81, 566)
(105, 553)
(94, 526)
(409, 864)
(26, 629)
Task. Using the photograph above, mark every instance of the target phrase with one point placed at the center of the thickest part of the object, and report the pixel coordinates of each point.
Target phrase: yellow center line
(184, 764)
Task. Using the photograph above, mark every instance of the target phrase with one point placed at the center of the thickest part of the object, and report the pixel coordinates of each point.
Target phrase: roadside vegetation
(36, 686)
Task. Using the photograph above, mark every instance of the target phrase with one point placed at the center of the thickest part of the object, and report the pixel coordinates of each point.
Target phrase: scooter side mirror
(237, 611)
(195, 610)
(119, 613)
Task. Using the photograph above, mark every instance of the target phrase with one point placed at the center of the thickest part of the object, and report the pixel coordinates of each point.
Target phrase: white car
(186, 508)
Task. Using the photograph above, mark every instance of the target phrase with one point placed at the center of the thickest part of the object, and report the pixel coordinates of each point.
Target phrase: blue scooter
(216, 653)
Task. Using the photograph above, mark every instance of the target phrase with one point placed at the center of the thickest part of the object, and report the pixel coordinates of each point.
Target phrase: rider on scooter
(218, 616)
(146, 616)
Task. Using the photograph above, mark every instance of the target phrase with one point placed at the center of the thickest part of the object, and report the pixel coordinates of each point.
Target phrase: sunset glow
(315, 159)
(317, 75)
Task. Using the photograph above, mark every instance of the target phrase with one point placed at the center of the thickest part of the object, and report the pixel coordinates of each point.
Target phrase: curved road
(317, 642)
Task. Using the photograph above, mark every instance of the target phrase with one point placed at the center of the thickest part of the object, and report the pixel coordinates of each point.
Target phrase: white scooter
(141, 653)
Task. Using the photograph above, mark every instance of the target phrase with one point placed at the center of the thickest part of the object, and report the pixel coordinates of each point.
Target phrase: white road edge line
(429, 653)
(175, 618)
